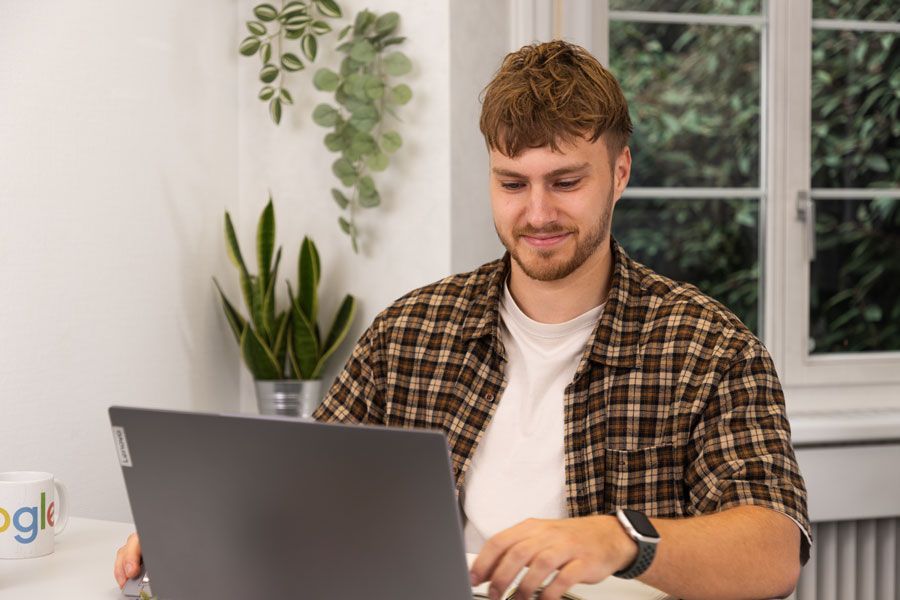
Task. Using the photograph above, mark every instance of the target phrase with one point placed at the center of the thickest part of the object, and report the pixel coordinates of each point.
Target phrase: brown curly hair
(544, 94)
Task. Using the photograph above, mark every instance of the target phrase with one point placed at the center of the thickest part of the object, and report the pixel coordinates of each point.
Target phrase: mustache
(545, 232)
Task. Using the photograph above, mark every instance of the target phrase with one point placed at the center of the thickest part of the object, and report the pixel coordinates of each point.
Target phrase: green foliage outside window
(693, 92)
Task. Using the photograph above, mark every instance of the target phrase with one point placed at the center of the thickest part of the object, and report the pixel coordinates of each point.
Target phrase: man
(572, 381)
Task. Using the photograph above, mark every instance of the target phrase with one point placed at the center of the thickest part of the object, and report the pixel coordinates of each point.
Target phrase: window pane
(855, 109)
(857, 10)
(726, 7)
(694, 94)
(855, 279)
(712, 244)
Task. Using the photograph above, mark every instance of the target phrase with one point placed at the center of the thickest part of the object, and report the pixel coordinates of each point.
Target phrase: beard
(543, 264)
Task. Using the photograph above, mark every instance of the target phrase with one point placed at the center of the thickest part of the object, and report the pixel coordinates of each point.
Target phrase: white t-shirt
(518, 470)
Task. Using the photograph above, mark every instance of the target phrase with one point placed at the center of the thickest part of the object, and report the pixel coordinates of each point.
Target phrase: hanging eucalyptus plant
(297, 20)
(363, 89)
(363, 93)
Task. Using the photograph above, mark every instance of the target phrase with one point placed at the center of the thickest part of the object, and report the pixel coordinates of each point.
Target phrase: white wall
(126, 129)
(118, 153)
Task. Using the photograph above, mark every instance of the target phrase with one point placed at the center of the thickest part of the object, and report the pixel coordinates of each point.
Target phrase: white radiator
(853, 560)
(851, 463)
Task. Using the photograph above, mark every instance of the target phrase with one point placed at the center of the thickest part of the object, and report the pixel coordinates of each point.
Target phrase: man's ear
(621, 172)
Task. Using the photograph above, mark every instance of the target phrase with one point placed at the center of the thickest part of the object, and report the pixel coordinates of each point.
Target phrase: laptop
(237, 507)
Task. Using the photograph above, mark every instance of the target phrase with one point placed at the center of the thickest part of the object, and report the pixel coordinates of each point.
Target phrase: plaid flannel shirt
(675, 409)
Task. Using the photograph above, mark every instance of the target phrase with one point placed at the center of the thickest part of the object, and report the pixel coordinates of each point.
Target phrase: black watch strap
(641, 563)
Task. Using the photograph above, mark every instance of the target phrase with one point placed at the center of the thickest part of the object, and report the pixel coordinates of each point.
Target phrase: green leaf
(286, 96)
(366, 186)
(305, 344)
(282, 327)
(249, 46)
(345, 225)
(265, 243)
(364, 18)
(265, 12)
(320, 27)
(349, 66)
(392, 40)
(308, 279)
(378, 161)
(396, 64)
(344, 32)
(291, 62)
(325, 115)
(391, 142)
(387, 23)
(345, 171)
(878, 163)
(329, 8)
(326, 80)
(266, 93)
(339, 329)
(309, 45)
(400, 94)
(364, 121)
(265, 52)
(256, 28)
(268, 73)
(340, 198)
(275, 110)
(370, 201)
(292, 9)
(362, 51)
(363, 143)
(373, 87)
(258, 358)
(335, 142)
(872, 313)
(232, 245)
(236, 321)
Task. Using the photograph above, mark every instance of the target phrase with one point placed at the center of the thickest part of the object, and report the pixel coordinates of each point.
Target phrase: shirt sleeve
(743, 448)
(356, 396)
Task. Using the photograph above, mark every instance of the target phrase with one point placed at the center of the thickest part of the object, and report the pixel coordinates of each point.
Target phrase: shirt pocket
(646, 479)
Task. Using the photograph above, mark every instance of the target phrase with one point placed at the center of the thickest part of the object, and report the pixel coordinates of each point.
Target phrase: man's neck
(563, 299)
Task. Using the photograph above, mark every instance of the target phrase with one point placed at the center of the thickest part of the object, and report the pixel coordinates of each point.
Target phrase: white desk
(81, 569)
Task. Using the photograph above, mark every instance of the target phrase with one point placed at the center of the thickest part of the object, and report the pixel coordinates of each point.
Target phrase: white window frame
(812, 382)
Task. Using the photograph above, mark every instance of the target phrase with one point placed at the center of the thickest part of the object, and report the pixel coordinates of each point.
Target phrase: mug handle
(62, 502)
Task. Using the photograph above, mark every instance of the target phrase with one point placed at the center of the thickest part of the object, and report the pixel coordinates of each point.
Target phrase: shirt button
(489, 396)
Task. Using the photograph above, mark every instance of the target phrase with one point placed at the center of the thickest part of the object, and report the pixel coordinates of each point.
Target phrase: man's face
(552, 210)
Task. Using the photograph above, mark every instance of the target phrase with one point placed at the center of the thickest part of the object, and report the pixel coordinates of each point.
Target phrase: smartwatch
(639, 528)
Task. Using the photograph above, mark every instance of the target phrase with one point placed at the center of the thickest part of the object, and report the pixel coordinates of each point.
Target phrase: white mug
(33, 509)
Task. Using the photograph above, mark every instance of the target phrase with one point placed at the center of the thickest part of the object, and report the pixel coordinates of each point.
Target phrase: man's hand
(128, 560)
(583, 550)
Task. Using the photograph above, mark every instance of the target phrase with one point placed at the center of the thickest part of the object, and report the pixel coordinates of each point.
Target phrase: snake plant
(283, 344)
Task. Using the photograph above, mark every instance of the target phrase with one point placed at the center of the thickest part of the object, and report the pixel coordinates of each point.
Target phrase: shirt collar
(615, 339)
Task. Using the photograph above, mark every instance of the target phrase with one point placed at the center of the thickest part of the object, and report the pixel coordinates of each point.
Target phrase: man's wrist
(626, 549)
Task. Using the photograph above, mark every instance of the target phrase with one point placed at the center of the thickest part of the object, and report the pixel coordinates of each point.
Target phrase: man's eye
(568, 183)
(512, 185)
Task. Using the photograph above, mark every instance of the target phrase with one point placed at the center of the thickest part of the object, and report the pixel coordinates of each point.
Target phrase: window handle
(806, 212)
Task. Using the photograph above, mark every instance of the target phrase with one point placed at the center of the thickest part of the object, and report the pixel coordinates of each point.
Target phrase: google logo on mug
(30, 512)
(33, 510)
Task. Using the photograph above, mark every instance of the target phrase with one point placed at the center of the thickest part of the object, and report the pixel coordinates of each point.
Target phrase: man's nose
(540, 211)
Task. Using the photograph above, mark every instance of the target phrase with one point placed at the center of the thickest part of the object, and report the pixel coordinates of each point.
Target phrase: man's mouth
(545, 241)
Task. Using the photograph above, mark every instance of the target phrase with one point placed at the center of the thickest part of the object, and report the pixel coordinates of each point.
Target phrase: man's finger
(494, 549)
(128, 560)
(541, 566)
(572, 573)
(511, 564)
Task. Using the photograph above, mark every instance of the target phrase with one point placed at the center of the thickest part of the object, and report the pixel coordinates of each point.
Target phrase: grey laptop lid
(238, 507)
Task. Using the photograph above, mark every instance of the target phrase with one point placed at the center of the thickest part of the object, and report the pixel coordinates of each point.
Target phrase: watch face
(641, 523)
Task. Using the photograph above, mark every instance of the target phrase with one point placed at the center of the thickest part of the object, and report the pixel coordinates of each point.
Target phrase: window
(767, 167)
